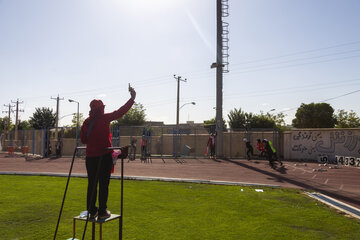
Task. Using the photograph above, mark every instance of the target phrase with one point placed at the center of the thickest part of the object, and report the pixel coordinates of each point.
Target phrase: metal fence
(162, 141)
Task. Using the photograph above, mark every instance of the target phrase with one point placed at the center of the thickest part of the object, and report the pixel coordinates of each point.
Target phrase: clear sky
(282, 53)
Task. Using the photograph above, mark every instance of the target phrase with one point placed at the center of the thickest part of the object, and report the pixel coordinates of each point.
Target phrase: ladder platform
(96, 220)
(100, 222)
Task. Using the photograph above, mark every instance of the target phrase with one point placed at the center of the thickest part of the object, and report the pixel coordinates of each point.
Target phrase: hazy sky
(282, 53)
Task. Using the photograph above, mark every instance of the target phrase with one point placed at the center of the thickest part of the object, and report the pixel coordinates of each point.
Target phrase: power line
(326, 100)
(278, 91)
(320, 86)
(301, 59)
(343, 95)
(295, 65)
(300, 52)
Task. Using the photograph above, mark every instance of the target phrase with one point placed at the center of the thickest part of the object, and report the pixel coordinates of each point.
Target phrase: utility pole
(17, 119)
(57, 114)
(178, 79)
(8, 124)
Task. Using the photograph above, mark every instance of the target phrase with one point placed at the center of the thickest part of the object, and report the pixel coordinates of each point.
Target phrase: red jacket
(100, 136)
(211, 141)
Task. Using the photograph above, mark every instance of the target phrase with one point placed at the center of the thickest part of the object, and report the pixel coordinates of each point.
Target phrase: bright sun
(148, 5)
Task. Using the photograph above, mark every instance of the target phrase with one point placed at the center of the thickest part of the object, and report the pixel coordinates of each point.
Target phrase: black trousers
(103, 180)
(212, 151)
(250, 150)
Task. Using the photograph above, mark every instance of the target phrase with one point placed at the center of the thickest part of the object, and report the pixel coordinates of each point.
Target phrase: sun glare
(148, 5)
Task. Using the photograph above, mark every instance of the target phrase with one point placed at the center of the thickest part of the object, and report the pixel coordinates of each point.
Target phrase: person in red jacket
(211, 143)
(95, 133)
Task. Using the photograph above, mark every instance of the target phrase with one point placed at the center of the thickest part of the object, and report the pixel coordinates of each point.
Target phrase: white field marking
(339, 208)
(295, 168)
(314, 176)
(326, 181)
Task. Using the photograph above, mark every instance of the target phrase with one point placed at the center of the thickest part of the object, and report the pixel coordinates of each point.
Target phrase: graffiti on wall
(310, 144)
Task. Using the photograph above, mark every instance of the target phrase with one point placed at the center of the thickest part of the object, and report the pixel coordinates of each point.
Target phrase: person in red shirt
(260, 147)
(95, 133)
(211, 143)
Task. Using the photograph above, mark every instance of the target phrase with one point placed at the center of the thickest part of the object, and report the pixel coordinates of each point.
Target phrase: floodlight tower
(221, 65)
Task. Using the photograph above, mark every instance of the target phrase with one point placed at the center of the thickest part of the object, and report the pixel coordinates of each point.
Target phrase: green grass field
(29, 209)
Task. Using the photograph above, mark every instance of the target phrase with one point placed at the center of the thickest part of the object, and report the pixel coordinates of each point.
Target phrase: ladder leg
(93, 231)
(120, 228)
(74, 228)
(100, 231)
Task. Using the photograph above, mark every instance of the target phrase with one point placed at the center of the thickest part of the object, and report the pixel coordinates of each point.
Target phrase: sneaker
(93, 215)
(105, 215)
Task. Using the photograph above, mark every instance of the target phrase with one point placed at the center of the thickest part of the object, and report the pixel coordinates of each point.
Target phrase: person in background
(95, 133)
(144, 148)
(271, 153)
(211, 145)
(249, 148)
(132, 154)
(260, 147)
(58, 147)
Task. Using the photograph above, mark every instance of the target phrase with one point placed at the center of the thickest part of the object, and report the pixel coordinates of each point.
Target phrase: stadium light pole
(219, 79)
(77, 122)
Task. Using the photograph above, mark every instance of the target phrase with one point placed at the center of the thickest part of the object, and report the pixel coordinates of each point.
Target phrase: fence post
(44, 142)
(33, 142)
(11, 138)
(118, 134)
(195, 141)
(131, 134)
(162, 141)
(230, 142)
(174, 142)
(23, 138)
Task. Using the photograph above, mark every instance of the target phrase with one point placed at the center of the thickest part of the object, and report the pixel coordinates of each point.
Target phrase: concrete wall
(311, 144)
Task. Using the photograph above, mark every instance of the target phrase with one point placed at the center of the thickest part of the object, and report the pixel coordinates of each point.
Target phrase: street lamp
(193, 103)
(77, 122)
(66, 115)
(270, 110)
(176, 142)
(177, 122)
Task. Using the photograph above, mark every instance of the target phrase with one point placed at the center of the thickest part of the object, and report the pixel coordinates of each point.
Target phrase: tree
(43, 118)
(211, 125)
(239, 119)
(134, 117)
(70, 130)
(314, 115)
(347, 119)
(4, 122)
(74, 120)
(279, 120)
(24, 125)
(262, 121)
